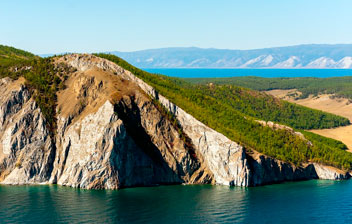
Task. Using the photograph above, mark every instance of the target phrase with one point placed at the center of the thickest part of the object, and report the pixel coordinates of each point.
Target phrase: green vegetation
(269, 108)
(227, 117)
(43, 78)
(11, 55)
(329, 150)
(340, 86)
(326, 141)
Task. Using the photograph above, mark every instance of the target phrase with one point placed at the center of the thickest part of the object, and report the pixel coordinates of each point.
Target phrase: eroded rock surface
(330, 173)
(225, 159)
(26, 149)
(119, 138)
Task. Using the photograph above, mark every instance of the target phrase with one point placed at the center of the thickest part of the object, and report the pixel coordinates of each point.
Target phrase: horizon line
(195, 47)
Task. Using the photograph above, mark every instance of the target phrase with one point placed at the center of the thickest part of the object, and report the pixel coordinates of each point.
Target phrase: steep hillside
(269, 108)
(9, 55)
(106, 132)
(239, 127)
(84, 121)
(301, 56)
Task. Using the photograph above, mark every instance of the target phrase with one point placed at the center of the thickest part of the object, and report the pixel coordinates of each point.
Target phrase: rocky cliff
(113, 132)
(26, 147)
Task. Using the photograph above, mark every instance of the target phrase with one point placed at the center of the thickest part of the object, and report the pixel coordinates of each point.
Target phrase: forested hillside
(10, 55)
(269, 108)
(341, 86)
(238, 124)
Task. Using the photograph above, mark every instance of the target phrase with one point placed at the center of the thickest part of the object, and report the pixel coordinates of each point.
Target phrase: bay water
(314, 201)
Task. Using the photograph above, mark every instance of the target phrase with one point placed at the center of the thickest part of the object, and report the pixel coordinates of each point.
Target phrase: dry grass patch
(328, 103)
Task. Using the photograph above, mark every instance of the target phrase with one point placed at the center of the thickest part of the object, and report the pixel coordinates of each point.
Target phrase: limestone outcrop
(111, 134)
(26, 147)
(330, 173)
(118, 137)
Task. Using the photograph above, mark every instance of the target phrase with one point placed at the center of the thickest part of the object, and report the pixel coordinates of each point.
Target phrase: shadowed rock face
(111, 134)
(130, 146)
(120, 138)
(266, 170)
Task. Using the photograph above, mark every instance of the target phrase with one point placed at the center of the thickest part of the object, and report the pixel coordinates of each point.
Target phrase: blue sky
(51, 26)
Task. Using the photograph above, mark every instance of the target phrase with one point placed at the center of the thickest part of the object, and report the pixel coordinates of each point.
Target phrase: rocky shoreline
(111, 135)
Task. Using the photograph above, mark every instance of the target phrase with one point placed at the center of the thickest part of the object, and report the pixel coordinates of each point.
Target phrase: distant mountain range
(300, 56)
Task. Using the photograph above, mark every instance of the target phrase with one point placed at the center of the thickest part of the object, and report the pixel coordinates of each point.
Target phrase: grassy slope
(341, 86)
(222, 116)
(11, 55)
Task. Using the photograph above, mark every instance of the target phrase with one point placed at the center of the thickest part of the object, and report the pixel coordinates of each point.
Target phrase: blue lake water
(315, 201)
(267, 73)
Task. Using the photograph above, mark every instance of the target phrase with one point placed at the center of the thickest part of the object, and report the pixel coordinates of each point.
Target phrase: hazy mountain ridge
(301, 56)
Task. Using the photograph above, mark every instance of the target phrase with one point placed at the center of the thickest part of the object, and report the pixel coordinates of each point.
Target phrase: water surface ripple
(315, 201)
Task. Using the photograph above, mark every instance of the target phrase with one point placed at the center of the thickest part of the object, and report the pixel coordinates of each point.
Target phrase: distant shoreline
(258, 72)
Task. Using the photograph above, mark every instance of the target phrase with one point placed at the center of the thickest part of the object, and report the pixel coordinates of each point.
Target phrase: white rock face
(261, 61)
(83, 152)
(345, 62)
(322, 62)
(292, 62)
(126, 144)
(224, 158)
(26, 149)
(329, 173)
(199, 62)
(99, 152)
